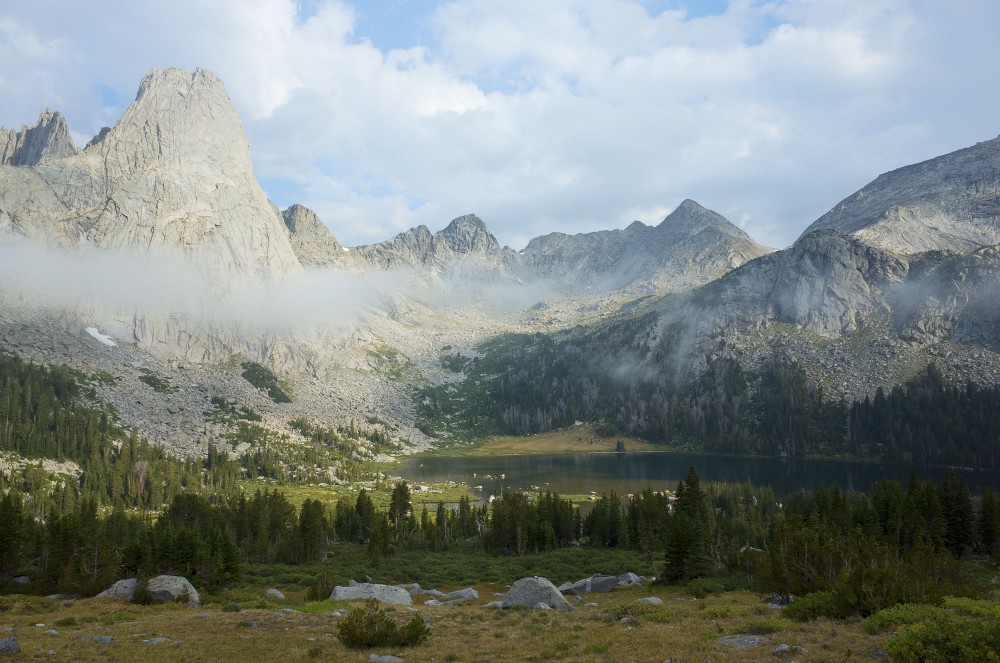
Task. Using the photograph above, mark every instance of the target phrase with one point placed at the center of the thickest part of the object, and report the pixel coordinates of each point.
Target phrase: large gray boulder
(123, 590)
(627, 579)
(532, 591)
(9, 647)
(602, 584)
(168, 589)
(369, 590)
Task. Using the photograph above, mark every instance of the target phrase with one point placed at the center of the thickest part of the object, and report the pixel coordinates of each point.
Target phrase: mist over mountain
(154, 251)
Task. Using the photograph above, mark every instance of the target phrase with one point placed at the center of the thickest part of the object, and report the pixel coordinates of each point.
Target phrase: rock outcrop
(313, 243)
(949, 203)
(48, 139)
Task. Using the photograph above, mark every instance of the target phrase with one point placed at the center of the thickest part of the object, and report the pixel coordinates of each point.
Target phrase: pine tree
(988, 523)
(956, 504)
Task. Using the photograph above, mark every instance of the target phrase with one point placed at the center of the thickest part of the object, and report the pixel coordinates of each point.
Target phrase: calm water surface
(631, 472)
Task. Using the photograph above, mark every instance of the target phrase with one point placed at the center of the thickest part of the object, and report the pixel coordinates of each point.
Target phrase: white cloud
(567, 115)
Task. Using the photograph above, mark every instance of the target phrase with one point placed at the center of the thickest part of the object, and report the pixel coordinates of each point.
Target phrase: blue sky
(567, 115)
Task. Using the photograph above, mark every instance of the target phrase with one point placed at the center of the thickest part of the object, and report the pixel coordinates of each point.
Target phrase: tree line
(527, 384)
(868, 550)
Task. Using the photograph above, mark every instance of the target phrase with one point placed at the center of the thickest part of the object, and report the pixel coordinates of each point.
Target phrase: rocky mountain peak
(48, 139)
(312, 241)
(689, 247)
(949, 203)
(468, 234)
(182, 119)
(690, 218)
(172, 176)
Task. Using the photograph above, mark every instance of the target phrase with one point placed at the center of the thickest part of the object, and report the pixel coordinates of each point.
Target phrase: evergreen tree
(956, 505)
(400, 510)
(988, 523)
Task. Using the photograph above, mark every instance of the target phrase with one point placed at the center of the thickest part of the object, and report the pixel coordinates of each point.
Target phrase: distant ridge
(691, 246)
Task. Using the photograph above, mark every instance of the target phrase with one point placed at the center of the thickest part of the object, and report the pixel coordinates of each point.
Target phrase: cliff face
(173, 176)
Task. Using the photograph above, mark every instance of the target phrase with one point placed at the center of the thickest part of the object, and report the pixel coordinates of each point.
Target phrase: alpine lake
(592, 474)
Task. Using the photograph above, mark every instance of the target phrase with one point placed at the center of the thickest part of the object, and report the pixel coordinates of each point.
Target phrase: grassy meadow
(614, 629)
(576, 439)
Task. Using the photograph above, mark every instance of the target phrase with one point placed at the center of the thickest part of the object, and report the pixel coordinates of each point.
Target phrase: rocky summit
(901, 272)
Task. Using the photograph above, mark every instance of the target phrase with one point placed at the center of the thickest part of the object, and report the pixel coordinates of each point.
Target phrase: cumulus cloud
(569, 115)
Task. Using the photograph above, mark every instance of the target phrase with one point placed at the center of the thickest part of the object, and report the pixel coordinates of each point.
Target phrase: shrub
(321, 589)
(762, 626)
(231, 606)
(702, 587)
(812, 606)
(955, 640)
(726, 611)
(371, 627)
(976, 607)
(890, 619)
(633, 610)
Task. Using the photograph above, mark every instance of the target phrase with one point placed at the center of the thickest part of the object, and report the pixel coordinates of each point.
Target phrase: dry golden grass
(682, 629)
(578, 439)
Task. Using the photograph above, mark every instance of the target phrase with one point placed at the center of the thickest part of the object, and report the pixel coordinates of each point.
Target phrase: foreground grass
(682, 629)
(577, 439)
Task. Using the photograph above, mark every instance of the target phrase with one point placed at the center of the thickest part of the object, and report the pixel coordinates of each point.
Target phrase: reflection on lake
(631, 472)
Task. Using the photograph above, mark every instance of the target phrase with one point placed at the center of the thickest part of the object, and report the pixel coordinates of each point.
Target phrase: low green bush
(702, 587)
(904, 614)
(634, 610)
(763, 626)
(977, 607)
(955, 640)
(812, 606)
(231, 606)
(321, 589)
(370, 626)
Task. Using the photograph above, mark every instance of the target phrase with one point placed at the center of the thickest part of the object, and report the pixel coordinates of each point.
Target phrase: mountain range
(900, 273)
